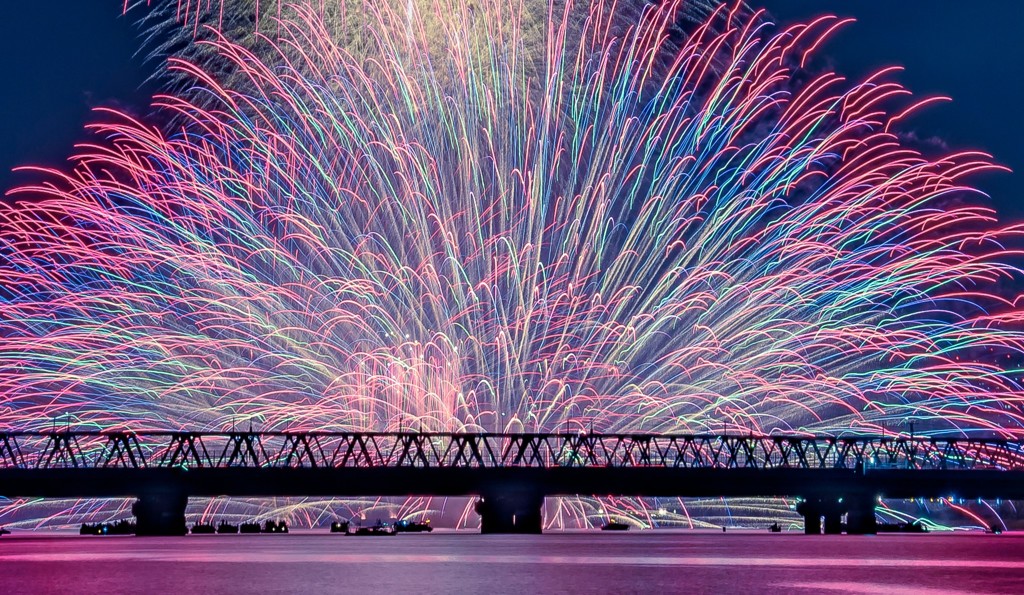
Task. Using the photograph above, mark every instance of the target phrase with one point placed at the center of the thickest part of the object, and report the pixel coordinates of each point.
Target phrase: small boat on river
(275, 527)
(203, 529)
(915, 527)
(405, 526)
(378, 528)
(122, 527)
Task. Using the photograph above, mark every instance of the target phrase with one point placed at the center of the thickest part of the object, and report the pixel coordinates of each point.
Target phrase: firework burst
(498, 216)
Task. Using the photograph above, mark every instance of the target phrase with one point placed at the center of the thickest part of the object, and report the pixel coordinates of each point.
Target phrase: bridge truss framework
(161, 449)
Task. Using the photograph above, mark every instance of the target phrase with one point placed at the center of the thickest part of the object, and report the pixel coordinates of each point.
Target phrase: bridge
(510, 474)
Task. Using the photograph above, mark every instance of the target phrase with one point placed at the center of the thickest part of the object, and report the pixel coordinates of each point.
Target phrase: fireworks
(498, 216)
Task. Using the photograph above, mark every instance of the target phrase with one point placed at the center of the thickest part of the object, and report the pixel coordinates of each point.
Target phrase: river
(315, 562)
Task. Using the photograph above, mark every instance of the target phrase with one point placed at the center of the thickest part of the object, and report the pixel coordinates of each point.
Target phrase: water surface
(579, 562)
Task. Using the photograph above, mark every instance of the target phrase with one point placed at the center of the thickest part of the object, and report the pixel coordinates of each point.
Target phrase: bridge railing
(71, 449)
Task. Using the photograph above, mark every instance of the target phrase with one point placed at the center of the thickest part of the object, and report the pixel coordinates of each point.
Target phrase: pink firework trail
(505, 217)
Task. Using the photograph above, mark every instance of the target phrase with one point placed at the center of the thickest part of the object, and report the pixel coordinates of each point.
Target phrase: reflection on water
(660, 562)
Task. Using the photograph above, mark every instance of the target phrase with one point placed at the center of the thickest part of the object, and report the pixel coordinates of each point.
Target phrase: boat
(122, 527)
(226, 527)
(915, 527)
(4, 531)
(339, 527)
(275, 527)
(405, 526)
(379, 528)
(774, 528)
(203, 529)
(94, 529)
(614, 526)
(249, 528)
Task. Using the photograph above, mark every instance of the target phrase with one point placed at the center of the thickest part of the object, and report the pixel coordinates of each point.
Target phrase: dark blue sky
(64, 57)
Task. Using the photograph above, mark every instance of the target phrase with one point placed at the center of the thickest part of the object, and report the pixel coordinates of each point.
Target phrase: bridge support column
(833, 522)
(510, 512)
(860, 520)
(161, 513)
(812, 523)
(814, 509)
(859, 510)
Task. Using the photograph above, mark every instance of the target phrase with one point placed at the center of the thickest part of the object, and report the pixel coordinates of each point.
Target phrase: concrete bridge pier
(859, 510)
(510, 511)
(160, 513)
(812, 521)
(828, 509)
(860, 519)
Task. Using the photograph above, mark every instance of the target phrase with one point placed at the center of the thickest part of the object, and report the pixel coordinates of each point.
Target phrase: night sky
(65, 57)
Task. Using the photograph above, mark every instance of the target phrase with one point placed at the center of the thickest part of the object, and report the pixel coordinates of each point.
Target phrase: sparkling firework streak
(494, 216)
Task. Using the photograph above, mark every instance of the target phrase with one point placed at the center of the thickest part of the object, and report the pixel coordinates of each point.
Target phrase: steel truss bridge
(510, 473)
(288, 450)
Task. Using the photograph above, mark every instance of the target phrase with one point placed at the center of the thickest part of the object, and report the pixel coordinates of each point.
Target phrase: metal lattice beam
(140, 450)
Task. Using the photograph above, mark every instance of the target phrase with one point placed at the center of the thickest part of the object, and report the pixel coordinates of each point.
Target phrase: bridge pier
(812, 522)
(833, 522)
(160, 513)
(860, 520)
(859, 510)
(815, 510)
(510, 512)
